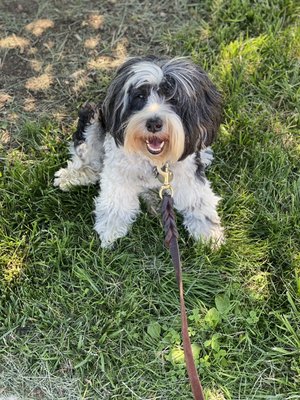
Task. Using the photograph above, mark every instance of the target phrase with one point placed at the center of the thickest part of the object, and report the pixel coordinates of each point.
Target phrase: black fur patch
(137, 98)
(200, 168)
(85, 114)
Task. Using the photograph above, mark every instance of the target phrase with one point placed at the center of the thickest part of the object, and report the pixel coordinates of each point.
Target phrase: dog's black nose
(154, 125)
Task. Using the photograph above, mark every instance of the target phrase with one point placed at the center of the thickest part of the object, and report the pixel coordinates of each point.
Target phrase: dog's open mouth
(155, 145)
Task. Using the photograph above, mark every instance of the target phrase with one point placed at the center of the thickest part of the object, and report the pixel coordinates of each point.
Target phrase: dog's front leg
(196, 201)
(116, 208)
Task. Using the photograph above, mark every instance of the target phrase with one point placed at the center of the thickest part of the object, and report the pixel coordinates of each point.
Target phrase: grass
(78, 322)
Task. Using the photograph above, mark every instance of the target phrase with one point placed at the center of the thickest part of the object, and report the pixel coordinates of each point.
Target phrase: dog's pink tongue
(155, 143)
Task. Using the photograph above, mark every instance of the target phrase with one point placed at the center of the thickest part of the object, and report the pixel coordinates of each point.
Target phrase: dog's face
(164, 109)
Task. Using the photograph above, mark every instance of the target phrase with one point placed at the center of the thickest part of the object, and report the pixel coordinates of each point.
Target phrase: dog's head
(165, 109)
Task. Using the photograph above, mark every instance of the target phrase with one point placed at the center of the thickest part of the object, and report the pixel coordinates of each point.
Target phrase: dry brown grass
(38, 27)
(5, 98)
(14, 42)
(55, 56)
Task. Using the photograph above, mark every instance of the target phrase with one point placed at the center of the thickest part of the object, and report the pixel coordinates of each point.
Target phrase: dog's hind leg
(86, 150)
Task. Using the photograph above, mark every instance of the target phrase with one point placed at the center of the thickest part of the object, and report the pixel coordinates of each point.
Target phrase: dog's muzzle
(155, 144)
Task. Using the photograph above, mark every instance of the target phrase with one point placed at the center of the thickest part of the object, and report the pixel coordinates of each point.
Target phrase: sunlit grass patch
(39, 83)
(95, 21)
(242, 54)
(39, 26)
(12, 267)
(4, 99)
(12, 258)
(214, 394)
(107, 62)
(13, 42)
(104, 63)
(29, 104)
(5, 137)
(77, 321)
(258, 286)
(92, 42)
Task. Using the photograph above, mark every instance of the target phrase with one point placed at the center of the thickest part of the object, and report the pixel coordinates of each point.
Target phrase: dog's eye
(138, 101)
(139, 97)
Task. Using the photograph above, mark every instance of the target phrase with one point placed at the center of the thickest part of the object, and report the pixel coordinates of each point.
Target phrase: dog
(156, 110)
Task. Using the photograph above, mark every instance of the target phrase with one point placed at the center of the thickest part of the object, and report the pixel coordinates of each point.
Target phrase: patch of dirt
(56, 55)
(14, 69)
(28, 7)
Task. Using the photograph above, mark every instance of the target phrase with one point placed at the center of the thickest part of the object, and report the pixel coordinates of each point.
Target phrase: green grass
(80, 322)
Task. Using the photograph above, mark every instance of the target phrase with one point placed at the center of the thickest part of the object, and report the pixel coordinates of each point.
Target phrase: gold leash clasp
(165, 176)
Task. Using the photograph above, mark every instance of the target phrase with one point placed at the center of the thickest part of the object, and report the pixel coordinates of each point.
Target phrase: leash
(171, 241)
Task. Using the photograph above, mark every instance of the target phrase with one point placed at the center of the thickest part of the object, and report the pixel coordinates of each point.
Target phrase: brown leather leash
(171, 241)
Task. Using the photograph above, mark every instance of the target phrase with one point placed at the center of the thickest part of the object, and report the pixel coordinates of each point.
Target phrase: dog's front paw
(62, 179)
(207, 230)
(107, 245)
(107, 238)
(216, 238)
(109, 229)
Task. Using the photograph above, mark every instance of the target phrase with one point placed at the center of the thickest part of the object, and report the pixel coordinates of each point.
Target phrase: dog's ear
(197, 101)
(201, 114)
(209, 104)
(101, 118)
(114, 102)
(111, 109)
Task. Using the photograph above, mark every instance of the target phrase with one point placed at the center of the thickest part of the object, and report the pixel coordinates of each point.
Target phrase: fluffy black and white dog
(156, 110)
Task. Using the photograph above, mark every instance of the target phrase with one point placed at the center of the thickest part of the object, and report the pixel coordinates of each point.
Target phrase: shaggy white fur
(155, 111)
(124, 177)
